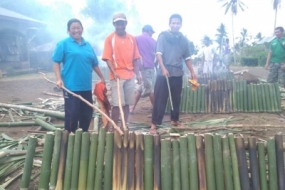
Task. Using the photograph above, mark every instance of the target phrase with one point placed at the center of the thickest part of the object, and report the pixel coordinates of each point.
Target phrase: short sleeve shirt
(121, 51)
(278, 52)
(78, 61)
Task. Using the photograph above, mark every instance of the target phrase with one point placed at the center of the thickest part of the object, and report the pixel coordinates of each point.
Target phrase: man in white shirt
(208, 56)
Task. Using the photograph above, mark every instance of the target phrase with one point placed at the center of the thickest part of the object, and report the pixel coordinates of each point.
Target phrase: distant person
(78, 61)
(226, 55)
(208, 56)
(276, 58)
(146, 45)
(121, 55)
(172, 47)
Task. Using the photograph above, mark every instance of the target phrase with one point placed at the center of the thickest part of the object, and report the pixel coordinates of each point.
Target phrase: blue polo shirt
(78, 61)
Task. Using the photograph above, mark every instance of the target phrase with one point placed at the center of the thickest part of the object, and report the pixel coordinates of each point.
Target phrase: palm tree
(276, 5)
(221, 35)
(234, 5)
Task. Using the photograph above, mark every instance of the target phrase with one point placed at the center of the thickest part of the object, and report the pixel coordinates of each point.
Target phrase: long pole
(169, 92)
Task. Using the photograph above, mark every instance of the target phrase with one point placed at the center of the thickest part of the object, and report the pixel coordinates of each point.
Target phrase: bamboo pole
(228, 174)
(176, 164)
(156, 160)
(201, 163)
(262, 166)
(108, 161)
(148, 161)
(62, 159)
(218, 157)
(267, 96)
(272, 165)
(235, 96)
(166, 182)
(120, 105)
(117, 158)
(46, 162)
(199, 99)
(209, 155)
(69, 160)
(75, 159)
(236, 177)
(184, 166)
(44, 124)
(280, 160)
(131, 159)
(253, 164)
(17, 124)
(124, 167)
(83, 165)
(139, 155)
(169, 92)
(277, 90)
(263, 97)
(273, 97)
(193, 162)
(245, 102)
(100, 160)
(27, 171)
(260, 95)
(249, 100)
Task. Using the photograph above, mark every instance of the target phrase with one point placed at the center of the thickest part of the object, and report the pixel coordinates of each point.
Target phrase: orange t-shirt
(124, 50)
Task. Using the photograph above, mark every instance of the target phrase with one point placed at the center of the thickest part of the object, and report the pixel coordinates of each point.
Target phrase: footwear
(177, 124)
(153, 131)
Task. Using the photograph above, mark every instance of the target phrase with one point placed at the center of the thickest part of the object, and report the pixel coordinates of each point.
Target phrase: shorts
(208, 67)
(276, 74)
(127, 91)
(147, 85)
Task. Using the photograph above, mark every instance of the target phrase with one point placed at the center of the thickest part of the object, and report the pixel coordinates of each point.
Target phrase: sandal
(153, 131)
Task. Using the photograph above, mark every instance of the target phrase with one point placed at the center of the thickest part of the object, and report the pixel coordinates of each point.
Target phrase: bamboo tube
(262, 166)
(191, 102)
(75, 159)
(117, 158)
(188, 100)
(209, 155)
(156, 160)
(69, 160)
(131, 159)
(193, 162)
(183, 100)
(231, 96)
(201, 163)
(249, 101)
(166, 182)
(272, 166)
(280, 160)
(273, 97)
(199, 99)
(184, 163)
(235, 96)
(92, 161)
(55, 158)
(236, 177)
(27, 171)
(203, 105)
(253, 164)
(124, 166)
(139, 155)
(256, 98)
(62, 159)
(245, 103)
(209, 96)
(58, 115)
(263, 97)
(277, 90)
(241, 90)
(44, 124)
(229, 185)
(195, 101)
(100, 160)
(108, 161)
(267, 96)
(83, 167)
(148, 161)
(46, 162)
(252, 98)
(17, 124)
(225, 95)
(260, 100)
(176, 164)
(217, 144)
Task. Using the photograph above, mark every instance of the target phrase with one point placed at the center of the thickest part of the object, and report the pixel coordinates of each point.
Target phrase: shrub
(249, 61)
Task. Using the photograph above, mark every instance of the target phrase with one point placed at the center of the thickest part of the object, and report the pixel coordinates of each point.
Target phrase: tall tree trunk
(233, 32)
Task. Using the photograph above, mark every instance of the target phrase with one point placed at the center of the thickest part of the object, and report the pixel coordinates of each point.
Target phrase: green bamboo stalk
(235, 106)
(124, 166)
(280, 160)
(187, 99)
(263, 97)
(217, 144)
(166, 182)
(45, 125)
(253, 164)
(236, 178)
(148, 162)
(210, 169)
(131, 159)
(272, 165)
(241, 96)
(256, 98)
(242, 164)
(273, 97)
(157, 164)
(201, 163)
(183, 100)
(75, 159)
(184, 162)
(277, 91)
(230, 86)
(28, 163)
(92, 160)
(252, 98)
(55, 158)
(100, 160)
(68, 164)
(245, 103)
(84, 154)
(249, 106)
(195, 101)
(46, 161)
(262, 166)
(267, 95)
(227, 164)
(191, 101)
(193, 162)
(176, 164)
(199, 103)
(209, 98)
(117, 159)
(139, 155)
(203, 99)
(271, 109)
(259, 95)
(108, 161)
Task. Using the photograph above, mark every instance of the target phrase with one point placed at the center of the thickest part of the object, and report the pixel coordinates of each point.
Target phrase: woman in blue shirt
(78, 62)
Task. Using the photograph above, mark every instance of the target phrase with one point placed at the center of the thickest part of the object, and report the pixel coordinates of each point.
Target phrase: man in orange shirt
(121, 55)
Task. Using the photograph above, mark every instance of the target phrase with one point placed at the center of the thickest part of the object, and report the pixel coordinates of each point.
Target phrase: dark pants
(161, 96)
(77, 111)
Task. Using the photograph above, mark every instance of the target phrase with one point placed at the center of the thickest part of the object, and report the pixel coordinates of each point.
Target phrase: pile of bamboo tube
(227, 96)
(136, 161)
(205, 77)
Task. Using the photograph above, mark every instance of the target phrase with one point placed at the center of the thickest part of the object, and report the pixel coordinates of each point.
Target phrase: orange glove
(194, 84)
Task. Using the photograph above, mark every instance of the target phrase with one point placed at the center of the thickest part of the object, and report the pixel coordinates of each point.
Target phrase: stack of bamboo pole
(137, 161)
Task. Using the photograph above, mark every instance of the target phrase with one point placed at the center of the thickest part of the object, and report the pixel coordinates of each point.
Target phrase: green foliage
(251, 54)
(249, 61)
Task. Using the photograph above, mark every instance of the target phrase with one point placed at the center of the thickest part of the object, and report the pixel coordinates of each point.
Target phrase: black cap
(147, 28)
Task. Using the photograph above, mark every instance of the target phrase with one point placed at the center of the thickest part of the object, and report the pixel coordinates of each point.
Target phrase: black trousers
(161, 96)
(77, 111)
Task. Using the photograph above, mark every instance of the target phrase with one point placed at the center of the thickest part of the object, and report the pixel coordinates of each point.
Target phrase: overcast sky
(201, 17)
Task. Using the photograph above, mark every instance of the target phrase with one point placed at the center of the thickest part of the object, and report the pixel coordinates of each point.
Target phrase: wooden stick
(120, 105)
(88, 103)
(51, 94)
(169, 92)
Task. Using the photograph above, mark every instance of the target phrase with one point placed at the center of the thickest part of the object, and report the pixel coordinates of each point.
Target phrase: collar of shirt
(82, 40)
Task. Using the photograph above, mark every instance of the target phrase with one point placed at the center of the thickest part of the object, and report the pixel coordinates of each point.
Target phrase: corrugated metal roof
(266, 39)
(5, 13)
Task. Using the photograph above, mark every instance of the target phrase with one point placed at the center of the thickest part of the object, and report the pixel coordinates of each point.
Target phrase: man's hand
(266, 66)
(193, 76)
(59, 83)
(116, 76)
(103, 80)
(165, 72)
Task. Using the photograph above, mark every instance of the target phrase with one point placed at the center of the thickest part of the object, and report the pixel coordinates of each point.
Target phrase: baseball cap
(147, 28)
(119, 16)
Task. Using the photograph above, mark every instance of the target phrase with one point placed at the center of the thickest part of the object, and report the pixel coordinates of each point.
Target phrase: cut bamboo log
(166, 182)
(124, 166)
(100, 160)
(75, 160)
(176, 164)
(272, 165)
(148, 161)
(117, 158)
(83, 165)
(253, 164)
(108, 161)
(234, 158)
(17, 124)
(139, 155)
(184, 166)
(201, 163)
(69, 160)
(218, 157)
(262, 166)
(193, 162)
(242, 164)
(131, 163)
(229, 185)
(210, 167)
(280, 160)
(45, 125)
(156, 160)
(277, 90)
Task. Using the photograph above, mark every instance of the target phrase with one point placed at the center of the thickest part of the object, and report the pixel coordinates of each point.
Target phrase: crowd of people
(139, 66)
